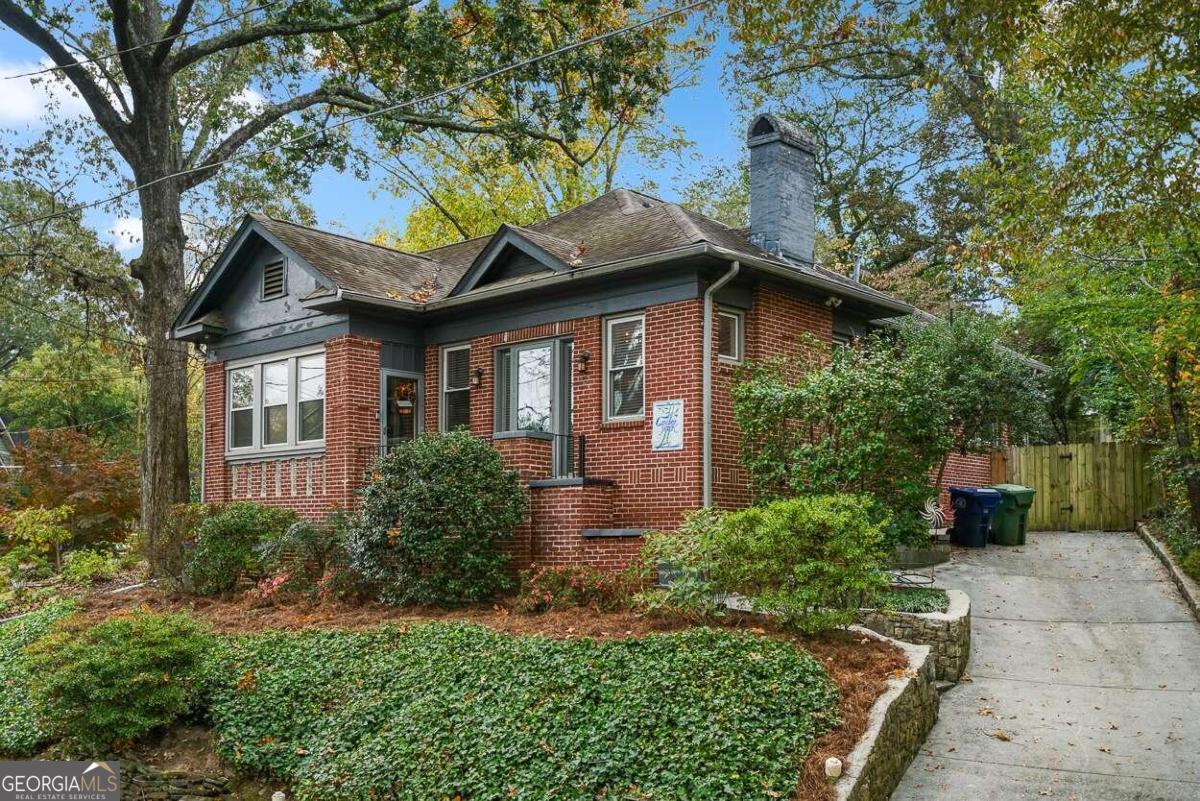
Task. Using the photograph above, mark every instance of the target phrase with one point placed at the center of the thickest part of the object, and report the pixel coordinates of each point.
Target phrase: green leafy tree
(86, 386)
(194, 86)
(870, 421)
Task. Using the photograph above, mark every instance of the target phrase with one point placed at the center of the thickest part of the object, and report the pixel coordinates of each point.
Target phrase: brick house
(595, 349)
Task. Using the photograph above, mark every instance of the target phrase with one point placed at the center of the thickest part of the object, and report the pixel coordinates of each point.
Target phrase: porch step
(613, 532)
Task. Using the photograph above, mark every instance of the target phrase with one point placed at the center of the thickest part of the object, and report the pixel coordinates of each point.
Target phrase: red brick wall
(964, 470)
(315, 484)
(562, 512)
(774, 326)
(653, 489)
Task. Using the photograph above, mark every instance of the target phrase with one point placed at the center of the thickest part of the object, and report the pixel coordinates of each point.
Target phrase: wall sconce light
(477, 377)
(583, 359)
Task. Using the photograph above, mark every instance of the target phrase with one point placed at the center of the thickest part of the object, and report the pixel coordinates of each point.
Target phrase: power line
(369, 115)
(105, 56)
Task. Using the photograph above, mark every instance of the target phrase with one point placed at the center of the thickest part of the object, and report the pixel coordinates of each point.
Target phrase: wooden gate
(1105, 486)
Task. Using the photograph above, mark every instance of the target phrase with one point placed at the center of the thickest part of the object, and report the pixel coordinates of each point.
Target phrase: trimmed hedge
(20, 731)
(450, 710)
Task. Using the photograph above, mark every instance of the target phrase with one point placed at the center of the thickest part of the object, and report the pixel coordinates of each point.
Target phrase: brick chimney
(781, 188)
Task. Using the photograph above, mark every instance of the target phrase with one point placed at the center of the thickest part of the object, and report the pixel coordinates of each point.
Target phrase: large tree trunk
(160, 269)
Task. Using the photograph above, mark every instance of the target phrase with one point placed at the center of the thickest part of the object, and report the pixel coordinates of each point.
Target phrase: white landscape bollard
(833, 770)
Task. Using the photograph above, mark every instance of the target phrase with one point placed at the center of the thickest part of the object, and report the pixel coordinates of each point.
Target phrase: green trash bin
(1008, 521)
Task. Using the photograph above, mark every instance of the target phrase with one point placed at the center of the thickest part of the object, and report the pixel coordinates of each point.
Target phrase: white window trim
(292, 446)
(739, 336)
(443, 358)
(609, 322)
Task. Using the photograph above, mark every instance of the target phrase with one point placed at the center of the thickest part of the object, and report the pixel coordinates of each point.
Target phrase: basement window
(273, 280)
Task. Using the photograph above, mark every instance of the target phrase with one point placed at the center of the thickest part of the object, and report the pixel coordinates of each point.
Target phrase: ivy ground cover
(459, 710)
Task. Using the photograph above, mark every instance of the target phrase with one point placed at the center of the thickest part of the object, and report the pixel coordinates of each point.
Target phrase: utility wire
(105, 56)
(288, 143)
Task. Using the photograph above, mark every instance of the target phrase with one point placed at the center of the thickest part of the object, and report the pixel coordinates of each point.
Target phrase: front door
(401, 409)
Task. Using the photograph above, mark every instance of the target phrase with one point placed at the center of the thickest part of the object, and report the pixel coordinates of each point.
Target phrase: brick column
(351, 413)
(216, 475)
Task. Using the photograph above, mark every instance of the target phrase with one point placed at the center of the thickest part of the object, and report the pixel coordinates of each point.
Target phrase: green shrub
(432, 520)
(98, 685)
(810, 561)
(226, 546)
(312, 558)
(547, 588)
(918, 600)
(1191, 564)
(684, 558)
(21, 733)
(177, 535)
(42, 530)
(23, 563)
(446, 711)
(87, 566)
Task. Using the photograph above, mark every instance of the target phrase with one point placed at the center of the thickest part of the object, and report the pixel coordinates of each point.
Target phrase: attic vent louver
(273, 283)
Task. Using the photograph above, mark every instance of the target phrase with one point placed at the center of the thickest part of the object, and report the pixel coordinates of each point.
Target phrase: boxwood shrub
(227, 545)
(461, 711)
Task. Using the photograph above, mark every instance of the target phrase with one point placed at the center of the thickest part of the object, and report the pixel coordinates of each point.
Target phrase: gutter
(706, 372)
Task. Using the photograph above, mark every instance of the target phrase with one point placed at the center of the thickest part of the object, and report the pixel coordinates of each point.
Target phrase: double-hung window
(277, 404)
(456, 387)
(730, 336)
(624, 370)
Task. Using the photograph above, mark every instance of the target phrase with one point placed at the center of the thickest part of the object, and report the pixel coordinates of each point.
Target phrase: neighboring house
(594, 349)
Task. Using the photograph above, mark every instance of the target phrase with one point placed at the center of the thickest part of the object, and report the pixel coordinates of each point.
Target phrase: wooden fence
(1105, 486)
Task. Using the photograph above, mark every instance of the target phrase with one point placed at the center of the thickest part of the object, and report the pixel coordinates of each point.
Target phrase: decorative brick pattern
(312, 485)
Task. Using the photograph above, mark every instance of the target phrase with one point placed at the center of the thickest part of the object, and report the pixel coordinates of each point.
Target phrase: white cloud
(126, 234)
(26, 100)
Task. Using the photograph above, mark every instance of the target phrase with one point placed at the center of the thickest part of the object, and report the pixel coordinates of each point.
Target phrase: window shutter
(272, 286)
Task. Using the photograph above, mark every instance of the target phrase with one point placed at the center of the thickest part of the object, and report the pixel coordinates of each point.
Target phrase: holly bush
(99, 685)
(227, 544)
(462, 711)
(432, 519)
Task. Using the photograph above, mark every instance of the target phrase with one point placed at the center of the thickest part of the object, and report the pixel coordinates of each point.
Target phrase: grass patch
(20, 731)
(917, 600)
(458, 710)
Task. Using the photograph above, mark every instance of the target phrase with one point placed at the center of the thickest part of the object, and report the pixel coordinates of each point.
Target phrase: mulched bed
(859, 665)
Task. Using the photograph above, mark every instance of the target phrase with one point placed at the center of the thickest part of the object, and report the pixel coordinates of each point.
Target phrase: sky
(342, 202)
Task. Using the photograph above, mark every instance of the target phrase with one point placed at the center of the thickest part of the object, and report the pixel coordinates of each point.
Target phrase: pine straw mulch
(859, 665)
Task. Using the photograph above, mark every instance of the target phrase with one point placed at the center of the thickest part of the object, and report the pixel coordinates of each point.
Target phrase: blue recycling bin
(973, 508)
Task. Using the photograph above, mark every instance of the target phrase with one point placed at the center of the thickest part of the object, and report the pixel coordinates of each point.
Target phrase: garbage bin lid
(978, 492)
(1018, 490)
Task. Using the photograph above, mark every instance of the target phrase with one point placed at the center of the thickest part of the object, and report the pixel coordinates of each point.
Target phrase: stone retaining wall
(144, 783)
(947, 633)
(899, 722)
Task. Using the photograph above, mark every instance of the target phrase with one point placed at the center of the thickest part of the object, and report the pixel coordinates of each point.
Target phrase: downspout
(706, 380)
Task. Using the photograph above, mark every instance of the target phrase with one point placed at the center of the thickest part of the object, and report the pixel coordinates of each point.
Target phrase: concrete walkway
(1084, 680)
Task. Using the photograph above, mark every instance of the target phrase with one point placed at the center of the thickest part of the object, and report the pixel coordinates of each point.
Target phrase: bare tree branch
(174, 27)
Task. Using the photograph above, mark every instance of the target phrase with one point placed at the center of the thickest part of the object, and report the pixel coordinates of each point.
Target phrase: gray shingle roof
(617, 226)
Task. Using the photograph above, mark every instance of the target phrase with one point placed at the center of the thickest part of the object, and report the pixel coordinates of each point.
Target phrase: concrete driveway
(1084, 680)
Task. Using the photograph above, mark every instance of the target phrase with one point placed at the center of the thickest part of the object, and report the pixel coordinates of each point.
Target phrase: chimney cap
(767, 127)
